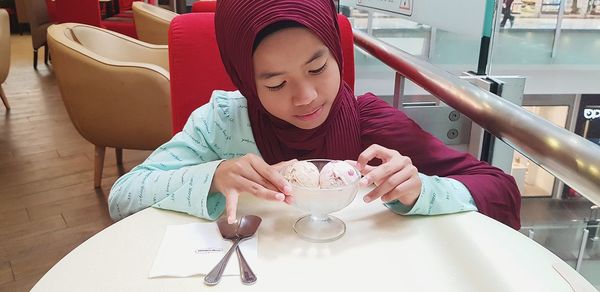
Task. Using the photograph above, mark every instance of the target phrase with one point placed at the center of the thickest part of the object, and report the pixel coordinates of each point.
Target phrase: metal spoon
(247, 227)
(230, 232)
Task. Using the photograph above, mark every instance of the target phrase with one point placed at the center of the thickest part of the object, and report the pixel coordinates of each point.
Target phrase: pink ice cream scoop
(337, 174)
(302, 173)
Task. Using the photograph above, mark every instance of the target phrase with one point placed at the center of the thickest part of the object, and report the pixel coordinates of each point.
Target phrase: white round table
(381, 251)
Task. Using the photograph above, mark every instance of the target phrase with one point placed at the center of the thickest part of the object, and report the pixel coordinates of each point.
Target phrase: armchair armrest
(118, 47)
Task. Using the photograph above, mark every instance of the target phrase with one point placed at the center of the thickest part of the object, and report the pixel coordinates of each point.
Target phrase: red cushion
(51, 6)
(124, 26)
(204, 6)
(79, 11)
(347, 39)
(125, 5)
(195, 63)
(125, 14)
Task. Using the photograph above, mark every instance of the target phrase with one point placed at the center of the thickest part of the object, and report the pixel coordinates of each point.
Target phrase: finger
(271, 175)
(385, 170)
(365, 168)
(407, 193)
(261, 192)
(375, 151)
(251, 175)
(368, 155)
(289, 200)
(231, 200)
(389, 184)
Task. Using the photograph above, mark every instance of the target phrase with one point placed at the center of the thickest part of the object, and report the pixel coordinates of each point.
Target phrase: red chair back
(51, 5)
(125, 5)
(88, 12)
(204, 6)
(195, 63)
(79, 11)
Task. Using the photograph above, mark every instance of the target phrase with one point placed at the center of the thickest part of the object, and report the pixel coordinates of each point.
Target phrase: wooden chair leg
(46, 54)
(4, 100)
(35, 57)
(119, 154)
(98, 165)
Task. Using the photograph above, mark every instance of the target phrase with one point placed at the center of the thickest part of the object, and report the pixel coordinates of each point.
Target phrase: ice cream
(337, 174)
(302, 173)
(334, 174)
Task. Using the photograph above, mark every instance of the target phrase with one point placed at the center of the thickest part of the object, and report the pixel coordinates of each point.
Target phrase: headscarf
(237, 24)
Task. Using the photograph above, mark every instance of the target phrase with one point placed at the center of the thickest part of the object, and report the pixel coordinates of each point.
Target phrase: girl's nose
(303, 94)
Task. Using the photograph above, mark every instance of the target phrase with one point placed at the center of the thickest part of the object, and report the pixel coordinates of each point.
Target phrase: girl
(284, 56)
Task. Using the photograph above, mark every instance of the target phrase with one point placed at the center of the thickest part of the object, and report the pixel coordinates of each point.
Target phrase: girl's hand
(250, 174)
(395, 179)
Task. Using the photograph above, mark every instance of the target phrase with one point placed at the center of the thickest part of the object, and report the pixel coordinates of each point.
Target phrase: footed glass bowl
(318, 225)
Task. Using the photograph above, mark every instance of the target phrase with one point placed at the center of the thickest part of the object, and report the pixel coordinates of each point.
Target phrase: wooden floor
(48, 204)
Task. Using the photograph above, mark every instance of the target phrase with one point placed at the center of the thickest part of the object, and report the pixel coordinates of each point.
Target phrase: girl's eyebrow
(316, 55)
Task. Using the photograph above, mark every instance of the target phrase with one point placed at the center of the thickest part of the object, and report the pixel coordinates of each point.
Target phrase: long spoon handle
(215, 274)
(248, 277)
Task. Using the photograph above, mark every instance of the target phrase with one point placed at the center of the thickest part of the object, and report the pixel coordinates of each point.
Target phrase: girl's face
(297, 78)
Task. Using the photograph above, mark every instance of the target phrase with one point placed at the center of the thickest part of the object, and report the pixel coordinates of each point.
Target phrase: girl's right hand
(250, 174)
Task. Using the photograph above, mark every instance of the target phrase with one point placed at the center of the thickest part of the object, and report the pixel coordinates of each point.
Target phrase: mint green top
(178, 175)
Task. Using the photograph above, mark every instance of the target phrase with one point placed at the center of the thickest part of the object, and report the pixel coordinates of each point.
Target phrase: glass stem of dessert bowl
(320, 217)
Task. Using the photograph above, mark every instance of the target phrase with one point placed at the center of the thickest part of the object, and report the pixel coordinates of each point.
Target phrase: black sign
(588, 118)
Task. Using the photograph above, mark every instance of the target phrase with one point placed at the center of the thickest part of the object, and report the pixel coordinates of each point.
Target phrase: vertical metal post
(561, 12)
(432, 43)
(586, 233)
(495, 32)
(485, 47)
(538, 8)
(370, 23)
(399, 82)
(530, 234)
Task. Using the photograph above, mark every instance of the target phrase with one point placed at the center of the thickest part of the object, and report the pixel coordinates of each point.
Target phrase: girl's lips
(312, 115)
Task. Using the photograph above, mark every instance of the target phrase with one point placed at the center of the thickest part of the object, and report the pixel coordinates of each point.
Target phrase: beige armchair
(4, 53)
(38, 24)
(115, 88)
(152, 23)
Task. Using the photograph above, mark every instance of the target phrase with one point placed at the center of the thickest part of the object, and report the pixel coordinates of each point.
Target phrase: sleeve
(439, 195)
(494, 192)
(178, 175)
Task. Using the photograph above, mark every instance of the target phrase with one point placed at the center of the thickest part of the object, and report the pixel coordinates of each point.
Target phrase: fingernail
(287, 189)
(280, 197)
(367, 199)
(230, 220)
(364, 181)
(290, 200)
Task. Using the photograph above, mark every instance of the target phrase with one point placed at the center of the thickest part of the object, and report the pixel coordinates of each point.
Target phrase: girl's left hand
(395, 179)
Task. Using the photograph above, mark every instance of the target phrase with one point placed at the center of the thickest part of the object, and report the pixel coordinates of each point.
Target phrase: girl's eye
(319, 71)
(275, 88)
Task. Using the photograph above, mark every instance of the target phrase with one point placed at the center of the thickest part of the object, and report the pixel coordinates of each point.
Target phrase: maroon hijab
(237, 23)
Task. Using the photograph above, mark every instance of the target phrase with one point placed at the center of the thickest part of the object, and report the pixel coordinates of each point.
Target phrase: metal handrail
(571, 158)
